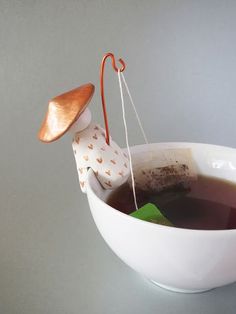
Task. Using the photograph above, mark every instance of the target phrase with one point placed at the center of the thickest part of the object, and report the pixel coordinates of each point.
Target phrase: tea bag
(162, 169)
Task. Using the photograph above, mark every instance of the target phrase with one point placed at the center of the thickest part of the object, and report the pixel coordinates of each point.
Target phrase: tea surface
(208, 203)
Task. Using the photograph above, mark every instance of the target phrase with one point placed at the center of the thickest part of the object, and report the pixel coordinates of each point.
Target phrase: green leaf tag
(149, 212)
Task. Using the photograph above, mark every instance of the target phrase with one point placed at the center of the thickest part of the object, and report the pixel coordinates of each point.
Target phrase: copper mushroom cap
(63, 111)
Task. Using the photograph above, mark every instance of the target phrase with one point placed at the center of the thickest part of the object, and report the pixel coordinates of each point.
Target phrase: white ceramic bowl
(182, 260)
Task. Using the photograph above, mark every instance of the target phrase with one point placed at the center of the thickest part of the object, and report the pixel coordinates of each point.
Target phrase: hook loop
(107, 55)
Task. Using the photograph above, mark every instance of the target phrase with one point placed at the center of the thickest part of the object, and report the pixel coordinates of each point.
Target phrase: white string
(135, 110)
(127, 140)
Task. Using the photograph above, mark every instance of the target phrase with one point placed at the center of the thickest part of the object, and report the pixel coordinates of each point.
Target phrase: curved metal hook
(107, 55)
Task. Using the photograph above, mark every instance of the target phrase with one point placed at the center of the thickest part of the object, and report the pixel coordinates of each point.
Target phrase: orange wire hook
(107, 55)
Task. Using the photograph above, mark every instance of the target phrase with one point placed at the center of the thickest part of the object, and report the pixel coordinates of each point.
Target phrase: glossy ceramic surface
(178, 259)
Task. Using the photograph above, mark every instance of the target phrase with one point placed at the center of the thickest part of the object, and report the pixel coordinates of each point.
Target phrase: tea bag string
(135, 110)
(127, 140)
(150, 153)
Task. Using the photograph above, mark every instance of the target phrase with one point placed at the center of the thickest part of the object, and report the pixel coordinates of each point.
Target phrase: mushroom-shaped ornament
(69, 112)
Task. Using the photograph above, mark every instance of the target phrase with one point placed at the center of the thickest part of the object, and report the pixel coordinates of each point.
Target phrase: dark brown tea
(208, 203)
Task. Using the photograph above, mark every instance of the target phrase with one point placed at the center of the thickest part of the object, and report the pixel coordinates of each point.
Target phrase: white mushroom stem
(82, 123)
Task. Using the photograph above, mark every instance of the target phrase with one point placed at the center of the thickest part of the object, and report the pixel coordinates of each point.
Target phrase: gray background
(181, 69)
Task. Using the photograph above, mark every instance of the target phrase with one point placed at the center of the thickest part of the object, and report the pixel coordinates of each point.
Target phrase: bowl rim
(90, 191)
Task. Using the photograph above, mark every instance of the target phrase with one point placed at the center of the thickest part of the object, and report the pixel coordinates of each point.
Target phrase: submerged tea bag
(163, 169)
